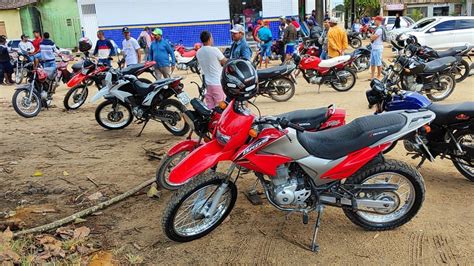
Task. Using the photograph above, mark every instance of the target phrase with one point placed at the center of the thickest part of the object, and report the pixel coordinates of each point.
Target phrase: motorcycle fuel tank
(407, 100)
(311, 62)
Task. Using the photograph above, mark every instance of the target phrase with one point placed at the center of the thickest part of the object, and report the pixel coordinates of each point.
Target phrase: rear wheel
(176, 124)
(346, 81)
(185, 216)
(113, 115)
(76, 97)
(406, 201)
(356, 43)
(465, 163)
(166, 165)
(281, 90)
(462, 71)
(444, 87)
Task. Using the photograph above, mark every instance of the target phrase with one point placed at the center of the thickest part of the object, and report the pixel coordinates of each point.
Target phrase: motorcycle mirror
(78, 55)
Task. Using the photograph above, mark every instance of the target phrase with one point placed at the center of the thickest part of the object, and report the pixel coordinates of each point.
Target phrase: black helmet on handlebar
(239, 80)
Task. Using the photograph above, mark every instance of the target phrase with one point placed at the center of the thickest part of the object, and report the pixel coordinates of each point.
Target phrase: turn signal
(253, 133)
(222, 105)
(426, 129)
(462, 117)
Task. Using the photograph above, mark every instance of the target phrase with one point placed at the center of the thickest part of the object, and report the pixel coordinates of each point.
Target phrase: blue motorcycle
(450, 135)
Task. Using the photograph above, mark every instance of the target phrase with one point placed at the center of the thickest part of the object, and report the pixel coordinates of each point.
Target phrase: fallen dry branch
(85, 212)
(66, 150)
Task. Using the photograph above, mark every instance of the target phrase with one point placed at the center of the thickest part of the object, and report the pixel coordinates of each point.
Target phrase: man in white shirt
(211, 61)
(26, 47)
(130, 48)
(377, 49)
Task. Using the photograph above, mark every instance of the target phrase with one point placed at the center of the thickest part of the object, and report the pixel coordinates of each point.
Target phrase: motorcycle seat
(334, 61)
(76, 67)
(310, 119)
(338, 142)
(143, 88)
(439, 64)
(271, 72)
(446, 113)
(200, 107)
(130, 70)
(162, 82)
(452, 51)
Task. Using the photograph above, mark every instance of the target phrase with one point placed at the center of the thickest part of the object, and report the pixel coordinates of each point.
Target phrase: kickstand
(144, 125)
(423, 159)
(314, 245)
(319, 89)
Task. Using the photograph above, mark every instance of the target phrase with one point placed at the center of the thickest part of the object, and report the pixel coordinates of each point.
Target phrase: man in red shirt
(36, 44)
(255, 31)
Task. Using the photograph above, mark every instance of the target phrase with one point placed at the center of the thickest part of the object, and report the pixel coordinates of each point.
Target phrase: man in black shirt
(397, 22)
(5, 65)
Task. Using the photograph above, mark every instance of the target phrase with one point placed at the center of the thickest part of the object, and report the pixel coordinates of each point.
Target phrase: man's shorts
(376, 57)
(290, 48)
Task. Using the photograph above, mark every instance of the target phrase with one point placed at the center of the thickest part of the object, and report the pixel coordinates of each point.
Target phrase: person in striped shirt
(103, 49)
(48, 51)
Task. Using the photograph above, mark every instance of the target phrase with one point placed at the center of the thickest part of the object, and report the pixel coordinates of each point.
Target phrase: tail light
(462, 117)
(177, 85)
(41, 75)
(426, 129)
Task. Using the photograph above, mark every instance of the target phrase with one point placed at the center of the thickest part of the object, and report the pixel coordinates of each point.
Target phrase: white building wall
(136, 12)
(89, 25)
(278, 8)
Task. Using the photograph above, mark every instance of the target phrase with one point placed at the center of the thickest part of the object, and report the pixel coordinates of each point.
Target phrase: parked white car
(447, 32)
(389, 22)
(420, 24)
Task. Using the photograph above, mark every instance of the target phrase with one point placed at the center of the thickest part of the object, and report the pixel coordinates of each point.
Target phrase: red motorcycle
(366, 31)
(203, 121)
(94, 73)
(334, 71)
(308, 48)
(299, 171)
(185, 52)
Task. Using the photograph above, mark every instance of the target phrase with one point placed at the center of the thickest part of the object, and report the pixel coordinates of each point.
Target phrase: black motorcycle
(277, 82)
(127, 97)
(354, 39)
(427, 54)
(450, 135)
(434, 78)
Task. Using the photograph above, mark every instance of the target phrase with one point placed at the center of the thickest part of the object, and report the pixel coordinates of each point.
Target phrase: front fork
(217, 195)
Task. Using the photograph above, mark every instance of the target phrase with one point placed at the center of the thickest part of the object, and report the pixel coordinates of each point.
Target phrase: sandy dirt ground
(57, 141)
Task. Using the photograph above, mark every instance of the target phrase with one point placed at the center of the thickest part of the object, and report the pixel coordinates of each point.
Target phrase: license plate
(183, 97)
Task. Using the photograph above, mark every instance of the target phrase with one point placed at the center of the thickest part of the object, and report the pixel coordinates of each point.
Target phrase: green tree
(340, 8)
(416, 14)
(363, 7)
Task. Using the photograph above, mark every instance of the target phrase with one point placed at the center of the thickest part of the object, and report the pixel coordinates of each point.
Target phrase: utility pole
(353, 6)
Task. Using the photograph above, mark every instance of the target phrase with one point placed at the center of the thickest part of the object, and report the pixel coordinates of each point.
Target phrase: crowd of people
(330, 38)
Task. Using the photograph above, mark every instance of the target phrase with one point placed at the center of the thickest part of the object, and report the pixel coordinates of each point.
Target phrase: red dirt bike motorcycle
(203, 122)
(334, 71)
(94, 73)
(299, 171)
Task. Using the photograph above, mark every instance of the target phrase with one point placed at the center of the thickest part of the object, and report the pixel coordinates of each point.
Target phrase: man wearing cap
(239, 49)
(26, 47)
(103, 48)
(162, 53)
(337, 39)
(377, 49)
(130, 48)
(265, 37)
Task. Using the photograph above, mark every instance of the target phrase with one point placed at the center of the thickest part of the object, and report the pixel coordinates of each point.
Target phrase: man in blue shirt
(48, 51)
(239, 49)
(103, 48)
(265, 37)
(161, 52)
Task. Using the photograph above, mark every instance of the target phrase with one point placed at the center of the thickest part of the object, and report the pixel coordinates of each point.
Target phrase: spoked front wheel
(402, 204)
(76, 97)
(25, 104)
(199, 207)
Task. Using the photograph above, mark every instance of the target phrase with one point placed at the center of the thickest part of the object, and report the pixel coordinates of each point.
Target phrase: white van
(447, 32)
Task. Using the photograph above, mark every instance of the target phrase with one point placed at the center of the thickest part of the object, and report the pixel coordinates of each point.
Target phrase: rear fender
(77, 79)
(337, 118)
(198, 161)
(185, 145)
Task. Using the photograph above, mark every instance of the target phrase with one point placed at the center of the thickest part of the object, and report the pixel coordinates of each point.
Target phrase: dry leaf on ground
(81, 232)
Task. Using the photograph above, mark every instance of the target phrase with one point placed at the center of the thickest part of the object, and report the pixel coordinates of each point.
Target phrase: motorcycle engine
(415, 145)
(181, 66)
(289, 190)
(413, 85)
(313, 77)
(138, 112)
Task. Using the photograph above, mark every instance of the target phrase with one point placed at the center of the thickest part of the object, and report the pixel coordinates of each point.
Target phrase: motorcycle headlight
(221, 138)
(408, 53)
(21, 58)
(397, 67)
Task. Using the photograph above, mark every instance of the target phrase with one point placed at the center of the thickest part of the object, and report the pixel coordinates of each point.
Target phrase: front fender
(198, 161)
(101, 93)
(185, 145)
(77, 79)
